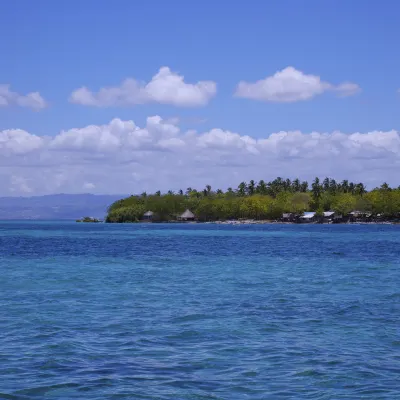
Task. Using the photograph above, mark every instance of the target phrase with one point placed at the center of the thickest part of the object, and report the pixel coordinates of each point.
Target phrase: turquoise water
(97, 311)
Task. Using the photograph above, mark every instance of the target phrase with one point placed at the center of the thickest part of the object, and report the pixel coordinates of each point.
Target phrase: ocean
(197, 311)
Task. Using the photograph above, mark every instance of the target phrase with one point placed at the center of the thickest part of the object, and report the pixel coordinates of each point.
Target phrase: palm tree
(304, 187)
(287, 185)
(261, 187)
(326, 184)
(189, 190)
(242, 188)
(316, 189)
(360, 189)
(296, 185)
(276, 186)
(345, 186)
(144, 194)
(180, 192)
(158, 193)
(251, 187)
(333, 186)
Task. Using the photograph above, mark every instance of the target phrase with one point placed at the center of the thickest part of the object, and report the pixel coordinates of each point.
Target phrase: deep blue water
(97, 311)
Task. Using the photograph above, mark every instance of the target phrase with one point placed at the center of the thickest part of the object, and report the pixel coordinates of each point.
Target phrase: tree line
(261, 200)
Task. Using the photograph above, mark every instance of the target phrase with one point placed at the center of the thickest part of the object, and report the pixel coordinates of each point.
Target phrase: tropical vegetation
(261, 201)
(88, 219)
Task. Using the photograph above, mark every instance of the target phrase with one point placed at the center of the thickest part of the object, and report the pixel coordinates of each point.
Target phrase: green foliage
(262, 200)
(384, 201)
(88, 219)
(299, 202)
(344, 203)
(132, 213)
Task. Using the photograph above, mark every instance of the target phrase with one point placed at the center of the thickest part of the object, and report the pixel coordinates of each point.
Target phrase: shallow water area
(199, 311)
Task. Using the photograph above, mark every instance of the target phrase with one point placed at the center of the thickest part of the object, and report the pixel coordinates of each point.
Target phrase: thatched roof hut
(187, 216)
(148, 215)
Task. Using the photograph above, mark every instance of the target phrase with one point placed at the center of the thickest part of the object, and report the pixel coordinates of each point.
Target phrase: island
(89, 219)
(281, 200)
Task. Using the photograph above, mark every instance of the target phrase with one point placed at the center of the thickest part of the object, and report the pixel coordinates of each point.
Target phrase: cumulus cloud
(31, 100)
(290, 85)
(166, 87)
(18, 141)
(121, 157)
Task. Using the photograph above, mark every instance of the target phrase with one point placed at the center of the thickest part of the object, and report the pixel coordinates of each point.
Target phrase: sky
(130, 96)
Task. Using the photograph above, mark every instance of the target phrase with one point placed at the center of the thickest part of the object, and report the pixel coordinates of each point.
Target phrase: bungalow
(187, 216)
(359, 216)
(308, 217)
(148, 216)
(356, 214)
(329, 216)
(288, 217)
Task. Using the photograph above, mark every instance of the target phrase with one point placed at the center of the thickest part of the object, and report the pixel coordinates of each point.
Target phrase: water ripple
(199, 312)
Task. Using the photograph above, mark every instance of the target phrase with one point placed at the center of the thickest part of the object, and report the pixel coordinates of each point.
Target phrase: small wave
(191, 318)
(42, 390)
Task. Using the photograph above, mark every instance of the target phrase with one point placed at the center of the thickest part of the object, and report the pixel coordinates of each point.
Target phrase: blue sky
(55, 48)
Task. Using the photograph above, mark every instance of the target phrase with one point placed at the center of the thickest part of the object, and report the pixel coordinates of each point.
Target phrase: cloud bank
(291, 85)
(121, 157)
(31, 100)
(166, 87)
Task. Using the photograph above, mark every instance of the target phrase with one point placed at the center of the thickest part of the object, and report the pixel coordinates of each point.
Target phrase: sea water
(175, 311)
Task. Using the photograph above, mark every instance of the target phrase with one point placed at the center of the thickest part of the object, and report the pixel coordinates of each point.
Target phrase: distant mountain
(57, 206)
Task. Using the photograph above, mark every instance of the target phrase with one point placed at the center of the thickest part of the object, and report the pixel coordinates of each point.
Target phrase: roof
(187, 214)
(148, 214)
(308, 215)
(356, 212)
(328, 213)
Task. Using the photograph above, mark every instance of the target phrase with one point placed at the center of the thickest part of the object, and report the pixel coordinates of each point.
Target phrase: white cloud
(31, 100)
(116, 135)
(346, 89)
(166, 87)
(18, 141)
(89, 186)
(291, 85)
(122, 157)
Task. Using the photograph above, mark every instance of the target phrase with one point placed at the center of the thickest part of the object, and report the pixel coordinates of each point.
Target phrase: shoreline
(266, 222)
(259, 222)
(300, 223)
